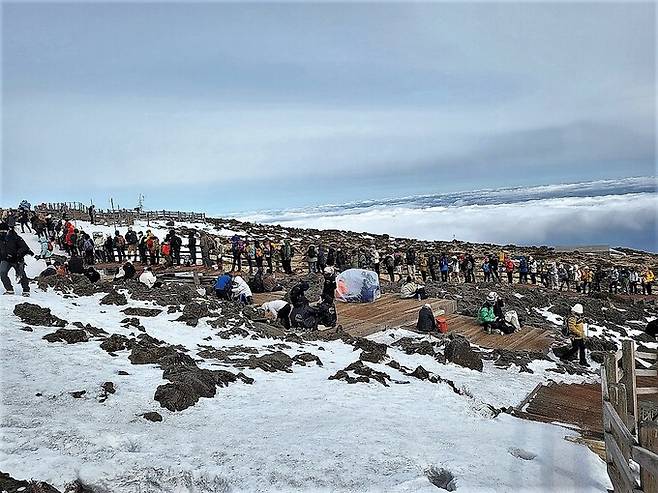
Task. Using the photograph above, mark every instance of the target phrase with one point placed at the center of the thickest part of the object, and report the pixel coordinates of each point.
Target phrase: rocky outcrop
(459, 351)
(32, 314)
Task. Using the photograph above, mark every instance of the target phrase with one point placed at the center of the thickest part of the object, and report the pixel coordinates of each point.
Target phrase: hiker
(647, 280)
(326, 313)
(165, 249)
(341, 259)
(563, 277)
(287, 252)
(148, 278)
(633, 281)
(587, 280)
(269, 252)
(131, 242)
(88, 249)
(153, 247)
(494, 265)
(99, 250)
(13, 250)
(432, 264)
(331, 255)
(175, 243)
(509, 269)
(109, 249)
(375, 259)
(46, 248)
(523, 270)
(120, 245)
(219, 252)
(258, 255)
(469, 264)
(411, 263)
(444, 266)
(329, 287)
(223, 286)
(297, 296)
(412, 289)
(312, 259)
(24, 220)
(50, 270)
(191, 245)
(126, 271)
(424, 266)
(92, 274)
(389, 263)
(256, 282)
(142, 248)
(486, 269)
(532, 269)
(487, 316)
(576, 330)
(613, 285)
(241, 291)
(426, 321)
(454, 270)
(207, 244)
(236, 250)
(92, 214)
(76, 264)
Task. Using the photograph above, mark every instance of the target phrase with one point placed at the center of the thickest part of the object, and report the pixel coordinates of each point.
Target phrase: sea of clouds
(606, 212)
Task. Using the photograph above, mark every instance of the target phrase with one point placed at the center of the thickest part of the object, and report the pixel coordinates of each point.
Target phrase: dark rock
(117, 342)
(441, 478)
(303, 358)
(414, 346)
(595, 343)
(271, 362)
(192, 312)
(70, 336)
(106, 390)
(505, 358)
(176, 396)
(78, 393)
(363, 374)
(142, 354)
(32, 314)
(459, 351)
(142, 312)
(597, 356)
(27, 329)
(420, 373)
(90, 329)
(121, 372)
(173, 309)
(152, 416)
(11, 485)
(370, 350)
(114, 298)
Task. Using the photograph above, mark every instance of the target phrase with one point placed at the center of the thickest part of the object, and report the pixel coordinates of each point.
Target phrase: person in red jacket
(509, 269)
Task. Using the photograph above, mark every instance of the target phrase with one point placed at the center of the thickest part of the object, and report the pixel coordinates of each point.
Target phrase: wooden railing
(628, 438)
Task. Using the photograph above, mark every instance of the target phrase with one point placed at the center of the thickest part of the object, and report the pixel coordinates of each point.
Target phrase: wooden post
(630, 382)
(197, 283)
(610, 365)
(649, 440)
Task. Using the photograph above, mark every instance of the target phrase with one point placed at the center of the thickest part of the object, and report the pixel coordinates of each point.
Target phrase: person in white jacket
(241, 291)
(148, 278)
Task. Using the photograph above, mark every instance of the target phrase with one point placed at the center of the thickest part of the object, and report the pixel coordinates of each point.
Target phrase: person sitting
(92, 274)
(326, 313)
(652, 328)
(256, 282)
(576, 329)
(223, 286)
(148, 278)
(126, 271)
(297, 296)
(76, 265)
(487, 316)
(411, 289)
(241, 291)
(426, 320)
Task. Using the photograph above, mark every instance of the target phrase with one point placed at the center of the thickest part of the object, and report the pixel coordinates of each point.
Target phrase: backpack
(166, 249)
(88, 245)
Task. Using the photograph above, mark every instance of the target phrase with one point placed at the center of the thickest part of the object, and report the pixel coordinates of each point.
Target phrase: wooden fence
(629, 438)
(120, 217)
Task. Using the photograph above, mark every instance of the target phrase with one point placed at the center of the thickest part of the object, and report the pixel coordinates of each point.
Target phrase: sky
(230, 107)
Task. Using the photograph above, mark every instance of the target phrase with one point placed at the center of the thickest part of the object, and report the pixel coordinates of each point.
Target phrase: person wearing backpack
(166, 253)
(175, 243)
(575, 328)
(411, 263)
(207, 244)
(389, 264)
(109, 248)
(444, 267)
(322, 258)
(131, 243)
(563, 277)
(191, 245)
(432, 262)
(523, 270)
(88, 248)
(120, 245)
(236, 250)
(287, 252)
(143, 249)
(509, 269)
(424, 267)
(312, 259)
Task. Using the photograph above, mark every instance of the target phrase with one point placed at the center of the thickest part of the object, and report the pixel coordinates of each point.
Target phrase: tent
(357, 286)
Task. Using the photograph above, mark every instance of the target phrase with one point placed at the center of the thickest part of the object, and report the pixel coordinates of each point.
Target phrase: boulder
(117, 342)
(32, 314)
(459, 351)
(114, 298)
(152, 416)
(192, 312)
(70, 336)
(142, 312)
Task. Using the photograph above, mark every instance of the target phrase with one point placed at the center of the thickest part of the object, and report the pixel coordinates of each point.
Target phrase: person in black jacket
(426, 321)
(76, 264)
(329, 287)
(131, 242)
(297, 296)
(92, 274)
(175, 242)
(13, 250)
(191, 244)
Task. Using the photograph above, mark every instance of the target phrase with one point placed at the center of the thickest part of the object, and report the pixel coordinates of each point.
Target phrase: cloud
(617, 220)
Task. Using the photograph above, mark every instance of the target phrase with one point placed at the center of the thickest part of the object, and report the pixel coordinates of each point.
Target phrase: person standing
(432, 262)
(444, 266)
(236, 250)
(411, 263)
(131, 242)
(120, 245)
(389, 263)
(207, 244)
(576, 329)
(523, 270)
(509, 269)
(175, 242)
(486, 269)
(191, 245)
(141, 246)
(312, 259)
(287, 252)
(13, 250)
(424, 266)
(532, 269)
(109, 249)
(375, 259)
(647, 280)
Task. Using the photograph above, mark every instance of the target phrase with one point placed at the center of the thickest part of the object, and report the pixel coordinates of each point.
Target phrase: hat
(577, 308)
(492, 296)
(328, 269)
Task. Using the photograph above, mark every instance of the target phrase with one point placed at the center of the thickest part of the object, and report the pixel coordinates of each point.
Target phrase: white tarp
(357, 286)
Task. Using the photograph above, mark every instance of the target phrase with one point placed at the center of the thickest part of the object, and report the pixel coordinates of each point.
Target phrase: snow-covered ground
(294, 431)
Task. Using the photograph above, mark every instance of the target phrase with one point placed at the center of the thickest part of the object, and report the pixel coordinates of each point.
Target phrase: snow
(294, 431)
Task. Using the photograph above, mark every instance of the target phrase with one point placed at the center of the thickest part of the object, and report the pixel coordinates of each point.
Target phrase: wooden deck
(525, 339)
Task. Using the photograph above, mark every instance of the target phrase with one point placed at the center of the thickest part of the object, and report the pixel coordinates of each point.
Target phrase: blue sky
(229, 107)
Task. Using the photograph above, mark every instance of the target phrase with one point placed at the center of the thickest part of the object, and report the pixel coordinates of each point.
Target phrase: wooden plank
(647, 390)
(646, 373)
(645, 355)
(617, 423)
(646, 456)
(621, 465)
(628, 364)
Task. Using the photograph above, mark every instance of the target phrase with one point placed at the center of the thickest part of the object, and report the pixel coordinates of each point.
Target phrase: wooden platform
(526, 339)
(389, 311)
(578, 405)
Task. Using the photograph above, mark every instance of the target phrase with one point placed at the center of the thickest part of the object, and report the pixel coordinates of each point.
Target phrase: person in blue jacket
(444, 265)
(223, 286)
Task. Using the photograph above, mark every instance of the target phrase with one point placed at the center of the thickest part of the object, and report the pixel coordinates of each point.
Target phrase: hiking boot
(26, 294)
(8, 292)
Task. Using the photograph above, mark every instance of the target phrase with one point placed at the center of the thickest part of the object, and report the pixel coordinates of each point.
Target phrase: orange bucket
(442, 324)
